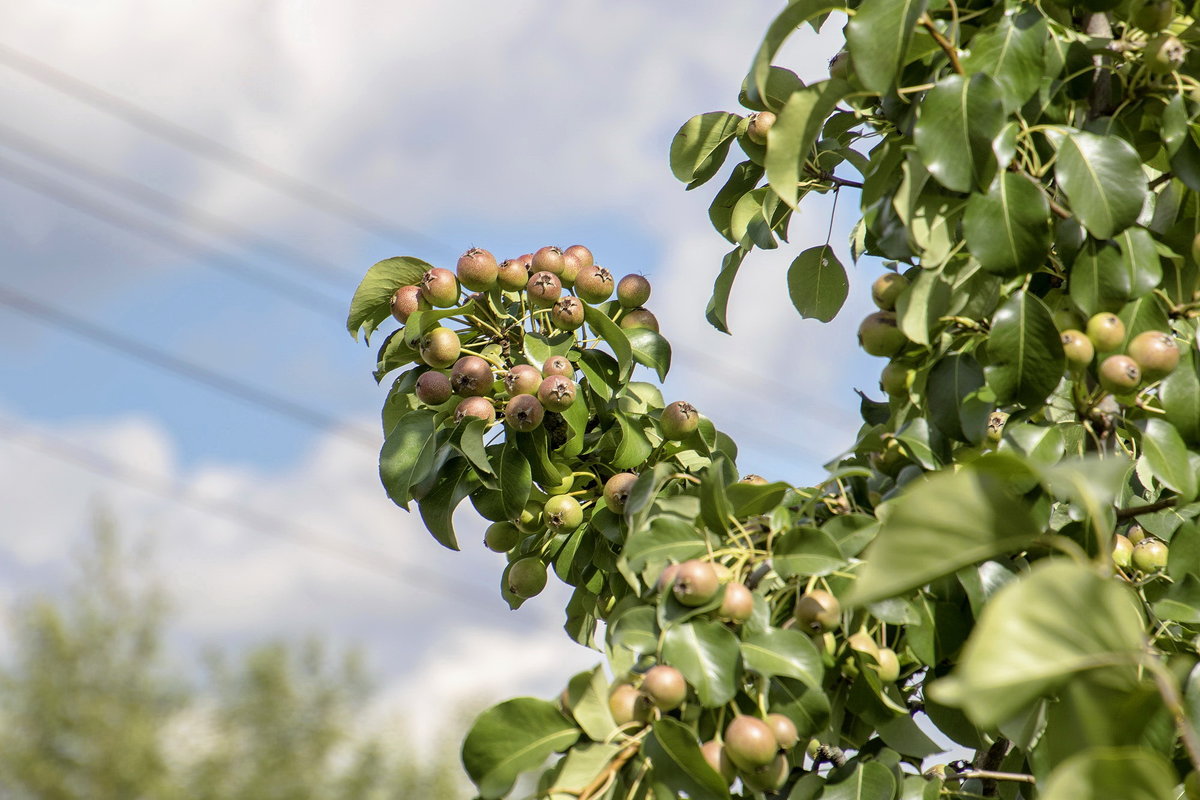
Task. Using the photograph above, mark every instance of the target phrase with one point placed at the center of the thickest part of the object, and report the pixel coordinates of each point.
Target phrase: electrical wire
(303, 191)
(278, 405)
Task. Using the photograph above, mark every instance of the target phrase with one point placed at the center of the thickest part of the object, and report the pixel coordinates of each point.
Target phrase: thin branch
(944, 43)
(822, 175)
(1149, 508)
(606, 774)
(990, 775)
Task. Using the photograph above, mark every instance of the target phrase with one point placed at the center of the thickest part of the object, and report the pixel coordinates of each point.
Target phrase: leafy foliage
(1008, 552)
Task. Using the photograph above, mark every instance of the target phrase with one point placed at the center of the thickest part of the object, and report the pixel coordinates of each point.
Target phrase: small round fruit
(1164, 54)
(558, 365)
(471, 377)
(523, 413)
(1150, 554)
(1078, 349)
(760, 124)
(567, 313)
(665, 686)
(1156, 353)
(895, 379)
(887, 288)
(1119, 374)
(1135, 533)
(566, 481)
(839, 66)
(548, 259)
(527, 577)
(557, 393)
(500, 537)
(818, 611)
(714, 753)
(880, 336)
(576, 259)
(738, 603)
(679, 420)
(770, 777)
(784, 729)
(633, 291)
(628, 705)
(439, 348)
(754, 479)
(530, 519)
(594, 284)
(1122, 551)
(1153, 16)
(433, 388)
(543, 289)
(522, 379)
(862, 643)
(616, 491)
(406, 301)
(1106, 331)
(439, 287)
(889, 665)
(695, 583)
(477, 270)
(640, 318)
(666, 577)
(477, 407)
(511, 275)
(750, 743)
(526, 261)
(562, 513)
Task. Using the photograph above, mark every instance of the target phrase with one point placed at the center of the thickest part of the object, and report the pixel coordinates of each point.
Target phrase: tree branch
(606, 774)
(1149, 508)
(947, 46)
(990, 775)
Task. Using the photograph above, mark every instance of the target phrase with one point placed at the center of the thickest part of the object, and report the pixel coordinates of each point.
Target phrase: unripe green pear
(1106, 330)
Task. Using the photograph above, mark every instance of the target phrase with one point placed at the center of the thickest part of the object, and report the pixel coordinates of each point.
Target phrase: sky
(150, 252)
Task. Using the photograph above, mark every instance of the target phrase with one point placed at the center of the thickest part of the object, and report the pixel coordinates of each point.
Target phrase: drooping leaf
(1167, 457)
(455, 482)
(1008, 227)
(1103, 179)
(513, 737)
(878, 36)
(1180, 396)
(587, 693)
(791, 18)
(516, 479)
(744, 177)
(698, 140)
(718, 304)
(937, 527)
(1026, 351)
(632, 445)
(707, 654)
(791, 138)
(407, 455)
(958, 121)
(372, 302)
(951, 391)
(817, 283)
(613, 335)
(1036, 633)
(650, 350)
(1130, 773)
(784, 652)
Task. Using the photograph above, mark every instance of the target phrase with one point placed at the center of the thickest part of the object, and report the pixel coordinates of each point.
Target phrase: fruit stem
(947, 46)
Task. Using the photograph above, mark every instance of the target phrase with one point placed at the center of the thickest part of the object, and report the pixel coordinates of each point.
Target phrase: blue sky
(504, 126)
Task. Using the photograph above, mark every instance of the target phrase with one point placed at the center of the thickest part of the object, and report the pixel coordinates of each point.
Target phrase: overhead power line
(162, 236)
(268, 401)
(261, 522)
(167, 204)
(212, 150)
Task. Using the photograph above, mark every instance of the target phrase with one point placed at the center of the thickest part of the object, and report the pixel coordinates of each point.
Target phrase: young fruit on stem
(471, 376)
(1164, 54)
(1156, 354)
(557, 393)
(548, 259)
(439, 348)
(1122, 551)
(1150, 554)
(888, 665)
(633, 291)
(1119, 374)
(616, 491)
(760, 124)
(770, 777)
(640, 318)
(477, 407)
(1106, 330)
(695, 583)
(895, 379)
(679, 420)
(527, 577)
(558, 365)
(880, 336)
(714, 753)
(562, 513)
(784, 729)
(594, 284)
(567, 313)
(628, 705)
(433, 388)
(500, 537)
(522, 379)
(887, 288)
(818, 611)
(665, 686)
(750, 743)
(477, 270)
(523, 413)
(1078, 349)
(543, 289)
(738, 603)
(439, 287)
(511, 275)
(406, 301)
(576, 259)
(666, 578)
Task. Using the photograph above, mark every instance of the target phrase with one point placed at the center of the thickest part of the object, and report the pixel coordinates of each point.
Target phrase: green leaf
(1102, 773)
(940, 525)
(871, 780)
(650, 350)
(790, 140)
(516, 479)
(538, 348)
(919, 308)
(802, 704)
(718, 304)
(372, 302)
(951, 394)
(513, 737)
(1167, 457)
(1038, 632)
(1100, 278)
(806, 551)
(1180, 396)
(958, 120)
(632, 446)
(587, 694)
(667, 539)
(1102, 177)
(678, 763)
(1181, 602)
(611, 333)
(792, 17)
(1025, 350)
(707, 654)
(783, 652)
(455, 482)
(1139, 253)
(635, 630)
(744, 177)
(1008, 227)
(407, 455)
(700, 138)
(468, 440)
(578, 768)
(817, 283)
(1012, 52)
(877, 36)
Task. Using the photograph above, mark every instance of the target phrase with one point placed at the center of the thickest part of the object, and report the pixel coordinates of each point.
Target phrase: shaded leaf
(958, 121)
(817, 283)
(1025, 350)
(650, 350)
(407, 455)
(1130, 773)
(790, 139)
(1102, 177)
(678, 763)
(878, 36)
(783, 652)
(700, 138)
(707, 654)
(1167, 457)
(1008, 227)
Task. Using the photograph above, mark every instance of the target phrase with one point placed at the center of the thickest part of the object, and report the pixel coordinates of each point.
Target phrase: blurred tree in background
(91, 707)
